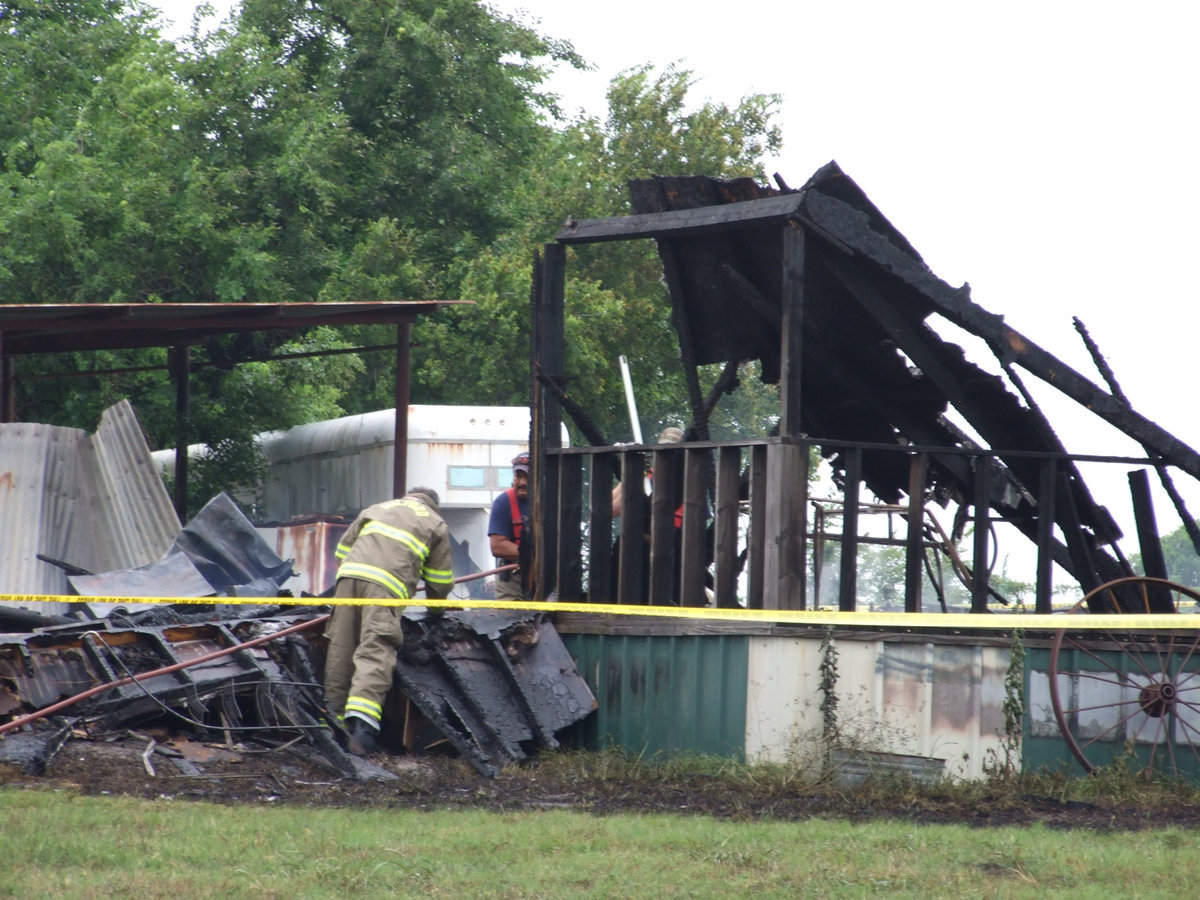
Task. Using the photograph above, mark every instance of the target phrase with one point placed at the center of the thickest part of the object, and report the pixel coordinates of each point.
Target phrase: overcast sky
(1045, 152)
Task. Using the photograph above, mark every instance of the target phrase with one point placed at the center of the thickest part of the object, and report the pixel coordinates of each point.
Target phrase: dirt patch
(131, 765)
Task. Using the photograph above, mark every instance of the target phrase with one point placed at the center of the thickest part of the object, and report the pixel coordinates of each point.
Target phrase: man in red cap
(508, 527)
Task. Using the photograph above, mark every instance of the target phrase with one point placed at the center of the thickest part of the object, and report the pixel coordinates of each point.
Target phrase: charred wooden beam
(1189, 523)
(681, 222)
(852, 228)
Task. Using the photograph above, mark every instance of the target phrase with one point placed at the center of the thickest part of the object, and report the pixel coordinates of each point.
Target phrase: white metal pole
(629, 401)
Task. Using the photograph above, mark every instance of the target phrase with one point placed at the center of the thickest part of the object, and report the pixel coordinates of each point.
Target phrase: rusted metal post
(402, 399)
(181, 370)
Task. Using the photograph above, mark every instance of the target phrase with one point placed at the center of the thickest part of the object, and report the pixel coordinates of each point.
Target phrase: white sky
(1045, 152)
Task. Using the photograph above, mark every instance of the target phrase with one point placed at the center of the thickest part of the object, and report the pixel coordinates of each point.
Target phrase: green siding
(1044, 748)
(664, 694)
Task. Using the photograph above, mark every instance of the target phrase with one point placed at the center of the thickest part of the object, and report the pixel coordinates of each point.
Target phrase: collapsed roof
(872, 369)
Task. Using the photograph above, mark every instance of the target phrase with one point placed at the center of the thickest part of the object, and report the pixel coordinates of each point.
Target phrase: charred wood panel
(725, 527)
(695, 554)
(756, 542)
(667, 472)
(914, 551)
(848, 581)
(786, 492)
(548, 354)
(631, 545)
(981, 567)
(570, 540)
(1154, 563)
(1047, 491)
(601, 581)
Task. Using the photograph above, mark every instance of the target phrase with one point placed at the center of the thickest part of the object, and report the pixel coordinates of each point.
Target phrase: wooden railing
(733, 525)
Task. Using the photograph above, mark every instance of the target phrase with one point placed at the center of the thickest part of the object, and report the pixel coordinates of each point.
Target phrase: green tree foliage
(338, 151)
(616, 302)
(1183, 562)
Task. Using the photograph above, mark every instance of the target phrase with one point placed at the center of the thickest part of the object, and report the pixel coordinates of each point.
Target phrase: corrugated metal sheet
(1044, 747)
(95, 502)
(664, 694)
(134, 501)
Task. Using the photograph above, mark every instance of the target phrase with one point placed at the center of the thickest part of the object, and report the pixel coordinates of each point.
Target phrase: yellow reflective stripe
(374, 574)
(437, 576)
(407, 538)
(342, 551)
(364, 706)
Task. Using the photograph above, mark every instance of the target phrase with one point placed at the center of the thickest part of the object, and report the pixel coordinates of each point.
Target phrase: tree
(616, 303)
(337, 150)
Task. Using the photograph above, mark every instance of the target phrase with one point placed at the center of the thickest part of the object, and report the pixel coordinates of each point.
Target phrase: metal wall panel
(663, 694)
(758, 697)
(94, 502)
(942, 701)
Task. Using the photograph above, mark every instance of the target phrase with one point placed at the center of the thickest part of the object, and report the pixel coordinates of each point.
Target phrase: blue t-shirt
(501, 522)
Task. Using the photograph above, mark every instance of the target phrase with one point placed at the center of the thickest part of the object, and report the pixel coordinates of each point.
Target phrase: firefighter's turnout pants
(363, 641)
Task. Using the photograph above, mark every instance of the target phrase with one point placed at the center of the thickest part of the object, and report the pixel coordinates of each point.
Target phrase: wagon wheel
(1129, 689)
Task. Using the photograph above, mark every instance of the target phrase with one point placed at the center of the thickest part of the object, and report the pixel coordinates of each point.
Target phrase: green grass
(61, 844)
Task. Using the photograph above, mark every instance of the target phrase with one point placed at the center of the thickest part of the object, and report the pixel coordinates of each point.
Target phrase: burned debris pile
(494, 684)
(492, 687)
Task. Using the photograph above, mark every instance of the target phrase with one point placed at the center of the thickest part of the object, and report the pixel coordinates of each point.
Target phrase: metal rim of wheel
(1136, 689)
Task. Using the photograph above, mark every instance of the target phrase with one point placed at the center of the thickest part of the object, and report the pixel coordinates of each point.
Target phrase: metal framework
(60, 328)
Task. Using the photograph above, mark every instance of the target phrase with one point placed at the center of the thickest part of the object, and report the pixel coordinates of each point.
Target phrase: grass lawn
(61, 844)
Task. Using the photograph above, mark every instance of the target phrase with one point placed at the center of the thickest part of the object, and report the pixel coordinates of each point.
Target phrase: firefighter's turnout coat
(387, 550)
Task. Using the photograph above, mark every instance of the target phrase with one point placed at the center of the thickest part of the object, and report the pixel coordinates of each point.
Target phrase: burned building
(836, 305)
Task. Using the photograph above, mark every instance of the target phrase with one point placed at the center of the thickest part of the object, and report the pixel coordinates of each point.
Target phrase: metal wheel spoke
(1186, 725)
(1193, 745)
(1188, 658)
(1090, 654)
(1110, 705)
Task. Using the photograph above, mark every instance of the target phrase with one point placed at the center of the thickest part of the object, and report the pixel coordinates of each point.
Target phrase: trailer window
(466, 477)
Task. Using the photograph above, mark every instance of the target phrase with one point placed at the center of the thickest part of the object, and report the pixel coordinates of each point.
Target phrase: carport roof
(56, 328)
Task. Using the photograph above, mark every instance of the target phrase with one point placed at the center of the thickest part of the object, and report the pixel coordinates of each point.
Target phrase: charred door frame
(556, 551)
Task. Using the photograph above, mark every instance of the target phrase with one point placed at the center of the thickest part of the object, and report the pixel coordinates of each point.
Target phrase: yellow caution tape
(1000, 621)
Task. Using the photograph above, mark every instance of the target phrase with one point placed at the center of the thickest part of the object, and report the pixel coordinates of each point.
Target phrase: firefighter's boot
(364, 737)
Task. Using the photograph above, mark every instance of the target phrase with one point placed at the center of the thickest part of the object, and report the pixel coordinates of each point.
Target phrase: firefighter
(386, 551)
